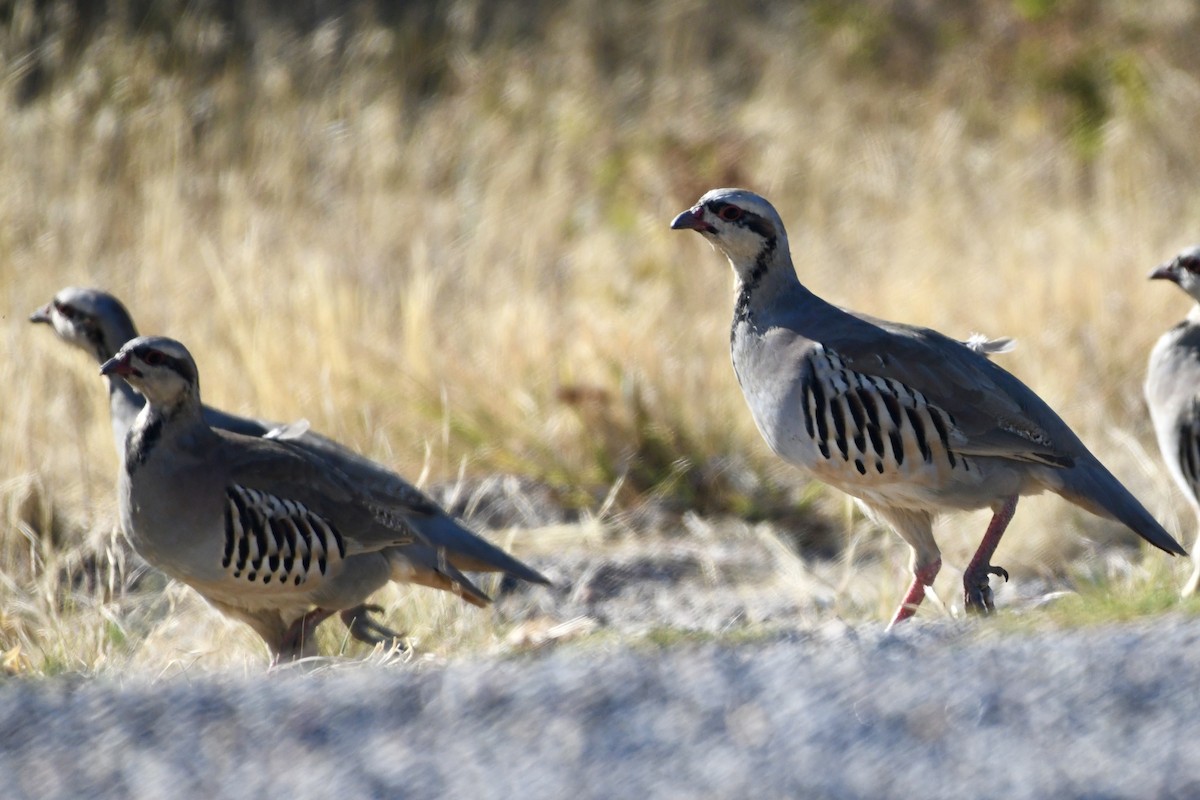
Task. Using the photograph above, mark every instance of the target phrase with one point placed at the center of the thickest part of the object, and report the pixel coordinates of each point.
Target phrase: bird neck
(1194, 315)
(767, 279)
(105, 339)
(159, 422)
(123, 399)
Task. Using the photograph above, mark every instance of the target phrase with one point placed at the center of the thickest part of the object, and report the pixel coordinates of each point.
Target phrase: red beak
(117, 365)
(1165, 272)
(693, 220)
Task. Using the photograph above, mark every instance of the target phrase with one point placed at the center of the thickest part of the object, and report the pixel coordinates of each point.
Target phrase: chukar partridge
(266, 532)
(1173, 390)
(98, 323)
(908, 421)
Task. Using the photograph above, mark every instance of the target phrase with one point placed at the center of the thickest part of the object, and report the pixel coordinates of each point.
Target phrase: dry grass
(433, 236)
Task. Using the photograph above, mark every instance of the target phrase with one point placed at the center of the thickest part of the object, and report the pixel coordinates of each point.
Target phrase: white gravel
(951, 709)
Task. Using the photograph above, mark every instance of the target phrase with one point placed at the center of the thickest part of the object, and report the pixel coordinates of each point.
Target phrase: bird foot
(977, 590)
(299, 641)
(365, 629)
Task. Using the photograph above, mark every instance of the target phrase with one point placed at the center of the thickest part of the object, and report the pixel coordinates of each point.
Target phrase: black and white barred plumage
(270, 539)
(871, 422)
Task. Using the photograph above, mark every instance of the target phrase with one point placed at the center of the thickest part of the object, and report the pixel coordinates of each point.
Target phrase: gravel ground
(944, 709)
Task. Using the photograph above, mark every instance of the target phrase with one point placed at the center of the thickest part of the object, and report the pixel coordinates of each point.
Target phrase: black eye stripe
(729, 212)
(759, 225)
(748, 219)
(154, 358)
(157, 358)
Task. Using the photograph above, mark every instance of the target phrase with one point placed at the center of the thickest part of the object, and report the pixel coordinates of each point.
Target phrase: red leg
(923, 576)
(977, 594)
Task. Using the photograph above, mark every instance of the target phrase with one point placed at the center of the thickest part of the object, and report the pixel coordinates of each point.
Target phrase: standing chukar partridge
(266, 532)
(909, 421)
(99, 324)
(1173, 390)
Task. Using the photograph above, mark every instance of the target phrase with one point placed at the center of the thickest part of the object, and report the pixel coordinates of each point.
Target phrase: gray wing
(386, 489)
(278, 544)
(235, 424)
(292, 475)
(991, 412)
(288, 535)
(399, 505)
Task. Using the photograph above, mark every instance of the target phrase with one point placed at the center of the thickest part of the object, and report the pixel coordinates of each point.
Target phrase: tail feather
(469, 551)
(1090, 485)
(422, 564)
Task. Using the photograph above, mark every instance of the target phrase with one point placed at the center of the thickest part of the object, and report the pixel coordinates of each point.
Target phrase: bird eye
(730, 213)
(64, 309)
(154, 358)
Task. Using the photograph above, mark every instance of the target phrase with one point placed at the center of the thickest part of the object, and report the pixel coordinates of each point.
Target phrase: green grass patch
(1102, 602)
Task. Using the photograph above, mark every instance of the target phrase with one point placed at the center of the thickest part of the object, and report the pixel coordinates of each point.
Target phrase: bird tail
(422, 564)
(1093, 487)
(470, 551)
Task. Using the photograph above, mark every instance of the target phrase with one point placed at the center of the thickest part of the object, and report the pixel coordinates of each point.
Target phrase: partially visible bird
(908, 421)
(98, 323)
(1173, 390)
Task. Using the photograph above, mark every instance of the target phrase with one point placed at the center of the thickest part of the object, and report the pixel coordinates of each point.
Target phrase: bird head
(160, 368)
(1183, 270)
(739, 223)
(92, 320)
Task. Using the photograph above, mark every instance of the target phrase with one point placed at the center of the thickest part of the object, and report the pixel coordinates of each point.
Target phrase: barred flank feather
(275, 540)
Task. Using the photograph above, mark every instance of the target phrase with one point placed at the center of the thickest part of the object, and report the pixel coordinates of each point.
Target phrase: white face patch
(740, 245)
(67, 324)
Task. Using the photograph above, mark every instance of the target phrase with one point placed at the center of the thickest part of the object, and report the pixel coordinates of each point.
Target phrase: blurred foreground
(937, 711)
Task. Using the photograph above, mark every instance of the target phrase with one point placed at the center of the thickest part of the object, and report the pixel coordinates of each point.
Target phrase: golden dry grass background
(427, 230)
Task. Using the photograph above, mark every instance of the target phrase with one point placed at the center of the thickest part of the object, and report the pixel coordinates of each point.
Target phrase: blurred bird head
(92, 320)
(1183, 270)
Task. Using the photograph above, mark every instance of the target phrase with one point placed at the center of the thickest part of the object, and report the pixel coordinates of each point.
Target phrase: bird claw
(367, 630)
(979, 598)
(977, 590)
